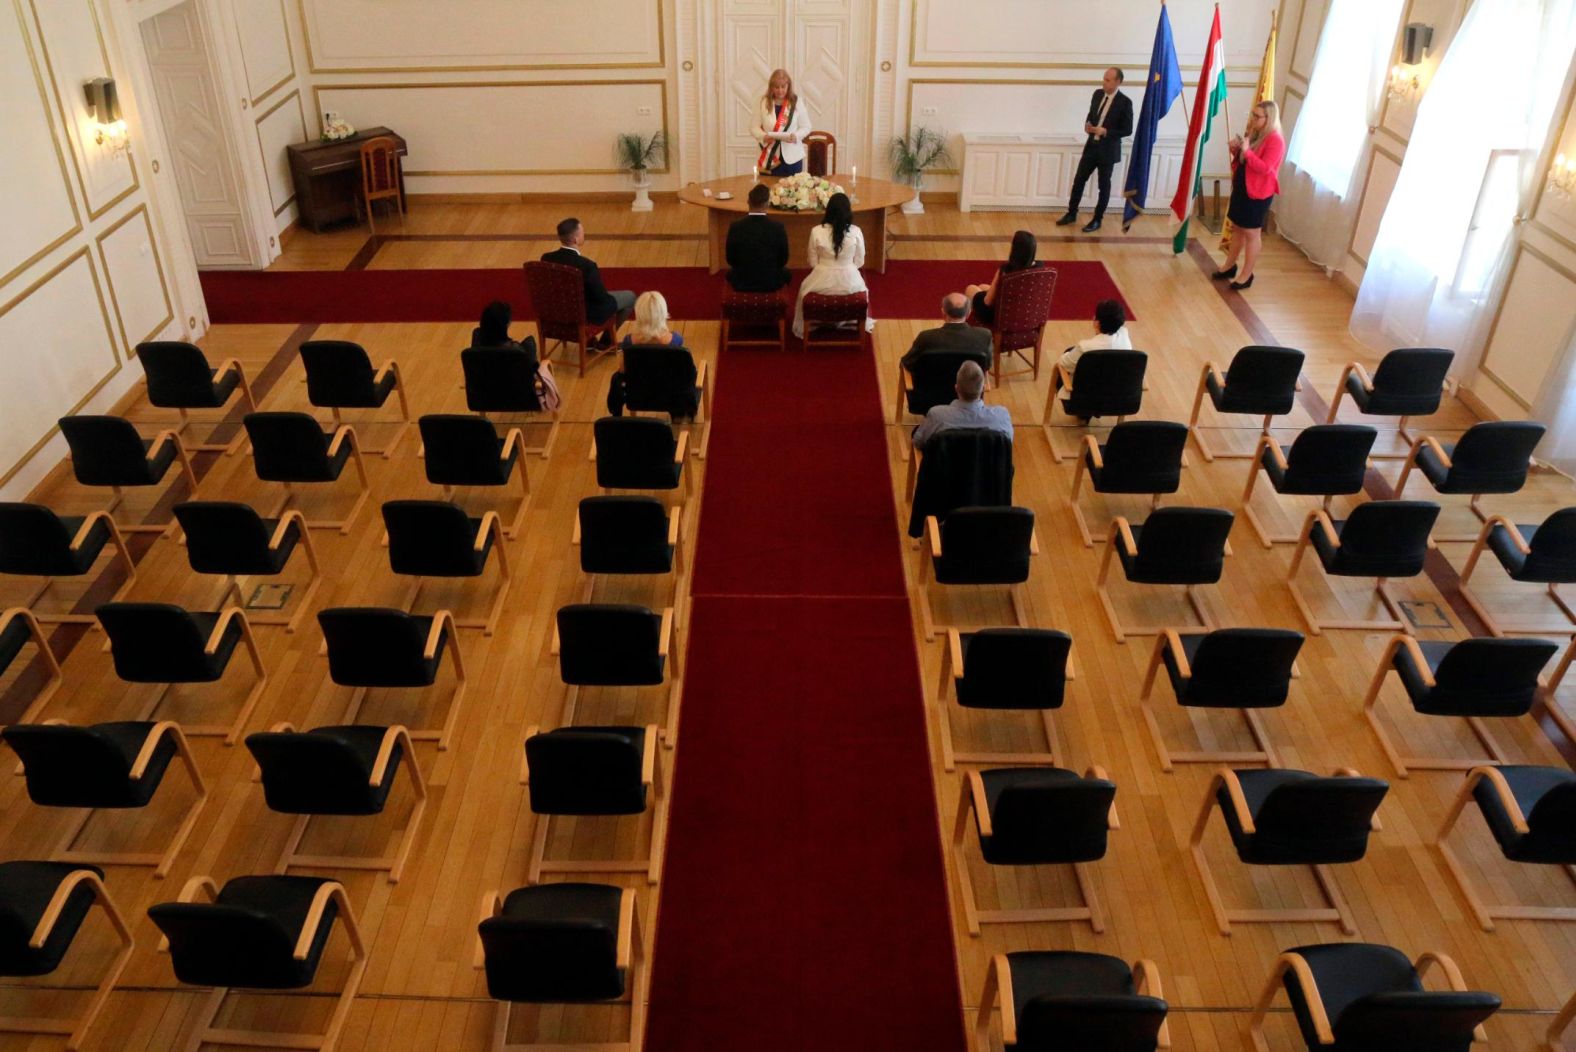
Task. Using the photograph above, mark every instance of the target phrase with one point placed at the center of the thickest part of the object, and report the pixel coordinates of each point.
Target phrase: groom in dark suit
(1110, 120)
(600, 303)
(757, 248)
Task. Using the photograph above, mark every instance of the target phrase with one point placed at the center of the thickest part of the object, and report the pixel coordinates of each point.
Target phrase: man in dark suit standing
(757, 248)
(955, 337)
(600, 303)
(1110, 120)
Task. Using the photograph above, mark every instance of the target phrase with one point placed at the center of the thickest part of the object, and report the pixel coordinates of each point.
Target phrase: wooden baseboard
(1470, 399)
(526, 197)
(1344, 282)
(289, 232)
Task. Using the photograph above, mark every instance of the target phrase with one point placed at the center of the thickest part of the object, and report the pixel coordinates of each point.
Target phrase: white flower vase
(642, 191)
(916, 206)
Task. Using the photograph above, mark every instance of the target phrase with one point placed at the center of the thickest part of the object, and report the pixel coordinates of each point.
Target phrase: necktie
(1104, 106)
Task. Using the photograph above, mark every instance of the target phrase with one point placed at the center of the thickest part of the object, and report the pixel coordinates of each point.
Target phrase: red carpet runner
(804, 899)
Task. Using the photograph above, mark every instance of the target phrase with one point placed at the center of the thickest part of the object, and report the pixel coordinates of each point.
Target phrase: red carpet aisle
(804, 900)
(909, 289)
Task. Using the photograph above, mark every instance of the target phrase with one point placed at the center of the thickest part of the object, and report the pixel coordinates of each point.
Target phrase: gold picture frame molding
(169, 307)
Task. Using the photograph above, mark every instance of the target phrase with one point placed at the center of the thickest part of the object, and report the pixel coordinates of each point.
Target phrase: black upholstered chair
(1325, 460)
(1260, 381)
(1359, 996)
(230, 539)
(42, 907)
(463, 450)
(434, 538)
(978, 546)
(105, 766)
(370, 646)
(1138, 456)
(594, 771)
(1035, 816)
(339, 375)
(1380, 539)
(628, 535)
(1410, 381)
(1055, 999)
(1474, 679)
(337, 771)
(35, 542)
(163, 643)
(259, 933)
(1023, 669)
(960, 467)
(1531, 812)
(639, 453)
(18, 627)
(179, 377)
(1230, 668)
(291, 448)
(503, 380)
(1493, 456)
(563, 944)
(1543, 554)
(1280, 817)
(1103, 383)
(1177, 546)
(661, 379)
(618, 645)
(107, 451)
(931, 381)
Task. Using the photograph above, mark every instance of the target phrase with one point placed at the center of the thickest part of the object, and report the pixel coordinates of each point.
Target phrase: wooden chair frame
(1171, 639)
(51, 663)
(1122, 533)
(998, 990)
(1489, 621)
(206, 1033)
(387, 452)
(1294, 963)
(245, 388)
(780, 343)
(670, 648)
(855, 337)
(249, 641)
(1316, 627)
(929, 553)
(1357, 369)
(429, 651)
(1266, 538)
(1485, 912)
(651, 865)
(344, 433)
(675, 541)
(236, 585)
(1338, 911)
(182, 457)
(393, 864)
(1088, 444)
(1208, 454)
(122, 553)
(1403, 764)
(1444, 458)
(490, 524)
(685, 487)
(1561, 1023)
(364, 197)
(973, 799)
(631, 956)
(76, 1029)
(946, 690)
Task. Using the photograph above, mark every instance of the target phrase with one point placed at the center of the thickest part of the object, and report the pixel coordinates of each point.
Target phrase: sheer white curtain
(1556, 410)
(1318, 206)
(1443, 244)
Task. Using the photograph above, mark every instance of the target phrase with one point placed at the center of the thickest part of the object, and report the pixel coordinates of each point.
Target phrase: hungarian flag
(1210, 98)
(1263, 93)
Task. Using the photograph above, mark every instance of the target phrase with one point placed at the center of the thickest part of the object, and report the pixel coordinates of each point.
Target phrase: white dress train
(833, 273)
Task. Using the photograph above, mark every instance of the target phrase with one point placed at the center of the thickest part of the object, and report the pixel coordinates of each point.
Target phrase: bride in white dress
(837, 251)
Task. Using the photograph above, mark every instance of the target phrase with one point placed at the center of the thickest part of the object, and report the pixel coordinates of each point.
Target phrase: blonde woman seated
(651, 324)
(837, 251)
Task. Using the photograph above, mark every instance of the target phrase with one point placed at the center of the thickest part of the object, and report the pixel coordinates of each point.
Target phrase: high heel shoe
(1222, 275)
(1240, 285)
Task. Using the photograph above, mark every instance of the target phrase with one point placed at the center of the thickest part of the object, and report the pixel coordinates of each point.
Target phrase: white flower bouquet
(803, 193)
(335, 127)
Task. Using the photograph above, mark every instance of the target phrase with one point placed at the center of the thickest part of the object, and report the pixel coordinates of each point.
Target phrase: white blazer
(799, 127)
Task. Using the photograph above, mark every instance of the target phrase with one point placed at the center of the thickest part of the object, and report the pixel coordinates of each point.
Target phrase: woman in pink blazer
(1255, 168)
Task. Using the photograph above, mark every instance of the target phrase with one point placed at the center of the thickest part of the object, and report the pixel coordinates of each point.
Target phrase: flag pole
(1225, 100)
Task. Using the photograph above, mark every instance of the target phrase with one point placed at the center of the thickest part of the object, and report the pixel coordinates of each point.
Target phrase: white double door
(823, 44)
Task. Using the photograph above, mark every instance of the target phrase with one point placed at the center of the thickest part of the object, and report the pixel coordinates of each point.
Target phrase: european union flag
(1161, 91)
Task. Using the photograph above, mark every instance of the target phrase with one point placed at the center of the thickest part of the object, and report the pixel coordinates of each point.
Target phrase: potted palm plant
(912, 155)
(639, 153)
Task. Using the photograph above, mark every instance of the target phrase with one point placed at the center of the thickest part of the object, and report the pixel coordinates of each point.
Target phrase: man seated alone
(757, 248)
(1110, 334)
(966, 410)
(956, 336)
(600, 303)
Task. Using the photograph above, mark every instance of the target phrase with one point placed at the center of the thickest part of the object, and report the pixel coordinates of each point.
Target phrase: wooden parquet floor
(420, 990)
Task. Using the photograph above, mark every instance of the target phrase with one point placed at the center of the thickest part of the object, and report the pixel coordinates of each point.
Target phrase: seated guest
(600, 303)
(757, 248)
(494, 329)
(1110, 334)
(651, 324)
(956, 336)
(966, 410)
(1021, 257)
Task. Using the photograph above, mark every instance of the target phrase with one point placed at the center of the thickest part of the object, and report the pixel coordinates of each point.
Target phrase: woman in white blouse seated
(780, 127)
(837, 251)
(1110, 334)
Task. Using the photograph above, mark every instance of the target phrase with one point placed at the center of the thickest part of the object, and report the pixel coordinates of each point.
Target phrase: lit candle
(755, 173)
(854, 175)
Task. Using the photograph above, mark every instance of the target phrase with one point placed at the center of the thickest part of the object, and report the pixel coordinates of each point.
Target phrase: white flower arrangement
(336, 127)
(803, 192)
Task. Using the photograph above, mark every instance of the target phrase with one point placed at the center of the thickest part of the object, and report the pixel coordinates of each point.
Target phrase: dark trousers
(1089, 163)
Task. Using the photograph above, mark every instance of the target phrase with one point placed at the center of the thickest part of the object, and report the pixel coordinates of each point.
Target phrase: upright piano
(327, 177)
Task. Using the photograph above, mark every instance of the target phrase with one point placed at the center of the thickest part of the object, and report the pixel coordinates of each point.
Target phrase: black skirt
(1246, 213)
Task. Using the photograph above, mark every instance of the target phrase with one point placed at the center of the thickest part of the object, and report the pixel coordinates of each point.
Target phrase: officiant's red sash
(771, 153)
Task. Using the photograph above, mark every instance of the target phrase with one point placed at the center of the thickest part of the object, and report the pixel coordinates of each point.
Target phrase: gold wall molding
(169, 309)
(1522, 248)
(284, 23)
(257, 128)
(1296, 38)
(1553, 235)
(1395, 58)
(1368, 172)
